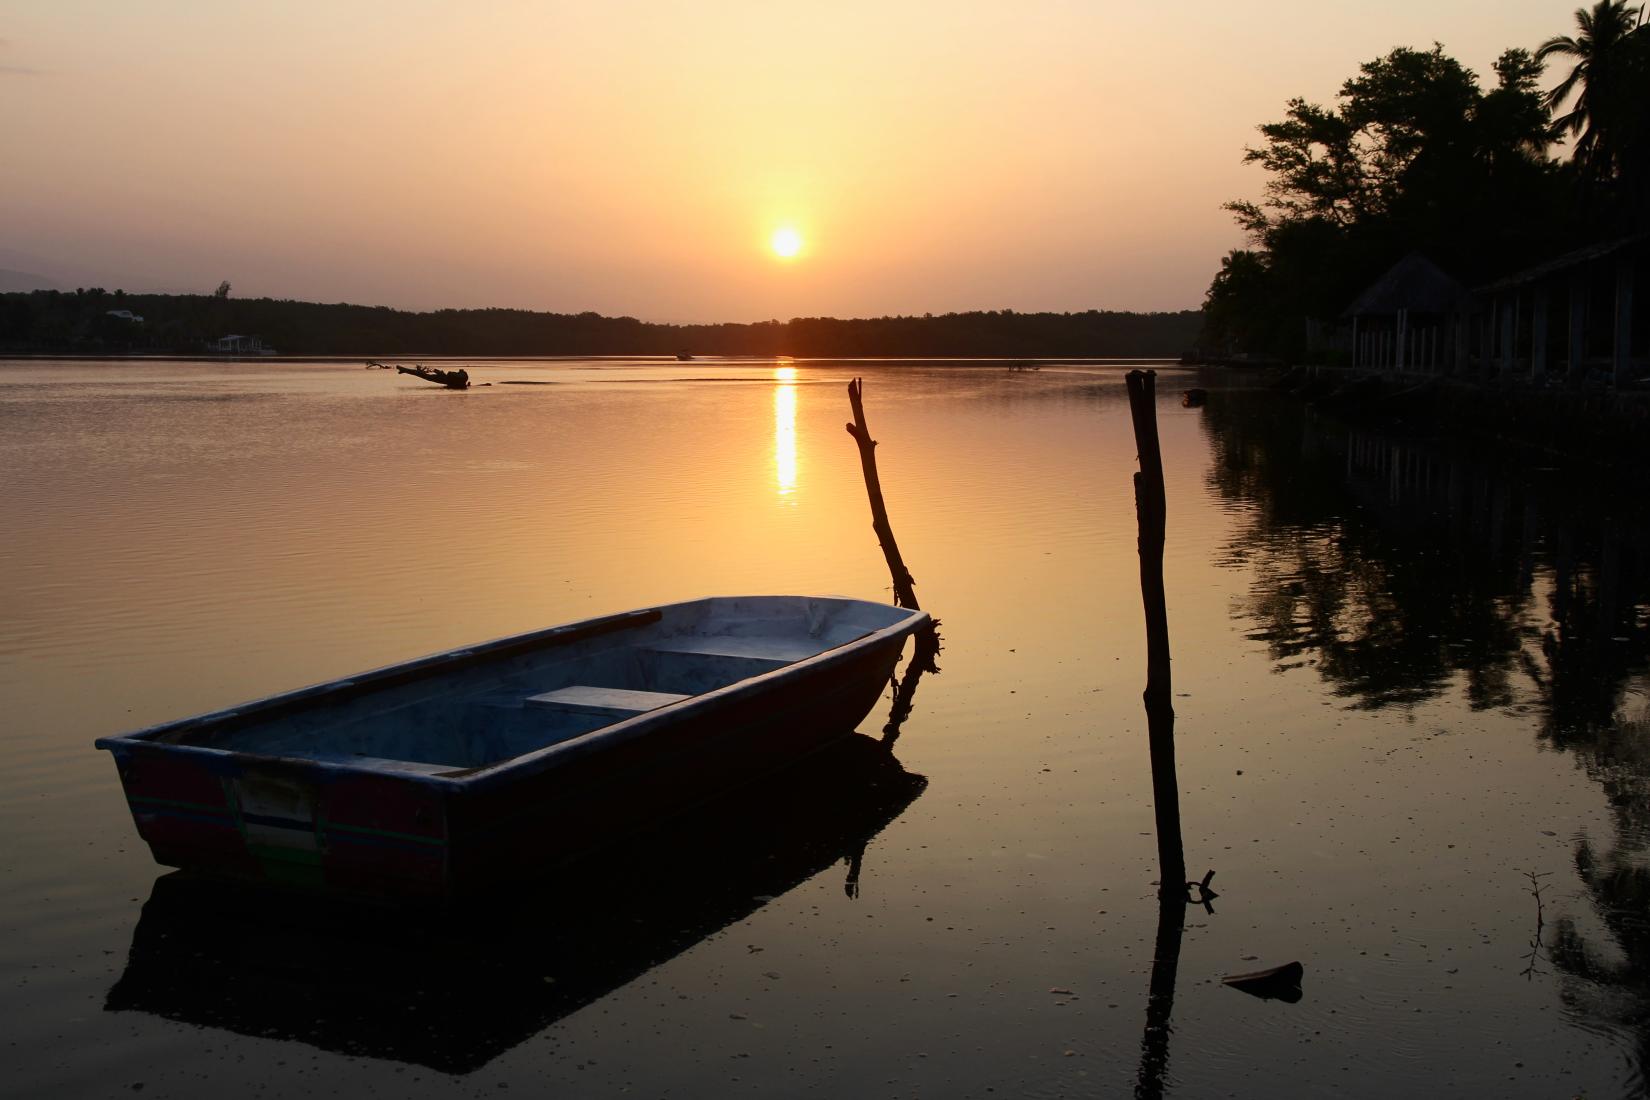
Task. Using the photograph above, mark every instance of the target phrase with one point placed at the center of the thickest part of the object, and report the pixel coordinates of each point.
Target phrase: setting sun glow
(786, 242)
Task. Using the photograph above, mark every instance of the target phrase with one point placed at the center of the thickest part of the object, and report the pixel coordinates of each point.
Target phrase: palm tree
(1605, 52)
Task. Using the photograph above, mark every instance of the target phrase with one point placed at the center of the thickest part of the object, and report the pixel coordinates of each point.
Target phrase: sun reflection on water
(784, 430)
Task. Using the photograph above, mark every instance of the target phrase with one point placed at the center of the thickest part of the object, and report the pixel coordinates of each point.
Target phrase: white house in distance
(126, 315)
(242, 345)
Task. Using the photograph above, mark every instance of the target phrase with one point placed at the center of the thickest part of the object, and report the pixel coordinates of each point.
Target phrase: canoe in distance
(490, 764)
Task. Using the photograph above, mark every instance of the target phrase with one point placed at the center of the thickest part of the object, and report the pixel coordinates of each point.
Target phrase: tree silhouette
(1413, 132)
(1414, 155)
(191, 321)
(1601, 78)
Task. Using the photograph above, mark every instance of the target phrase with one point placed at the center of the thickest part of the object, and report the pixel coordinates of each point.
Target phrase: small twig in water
(1205, 894)
(1537, 947)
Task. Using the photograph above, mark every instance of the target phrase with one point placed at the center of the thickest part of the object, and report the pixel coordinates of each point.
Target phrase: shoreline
(870, 360)
(1595, 426)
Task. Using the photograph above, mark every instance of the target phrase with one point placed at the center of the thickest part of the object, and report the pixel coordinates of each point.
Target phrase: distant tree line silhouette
(1417, 156)
(85, 322)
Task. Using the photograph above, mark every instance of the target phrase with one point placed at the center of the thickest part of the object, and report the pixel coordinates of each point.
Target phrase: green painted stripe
(322, 827)
(341, 827)
(218, 809)
(291, 873)
(269, 853)
(234, 806)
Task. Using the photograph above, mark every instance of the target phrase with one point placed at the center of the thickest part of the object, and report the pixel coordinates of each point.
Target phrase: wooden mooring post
(927, 640)
(1150, 511)
(905, 588)
(1172, 888)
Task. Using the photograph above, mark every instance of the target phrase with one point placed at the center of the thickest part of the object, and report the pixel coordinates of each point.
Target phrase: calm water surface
(1411, 690)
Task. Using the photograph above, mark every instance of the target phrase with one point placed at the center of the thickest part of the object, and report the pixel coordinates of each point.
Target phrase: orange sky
(636, 158)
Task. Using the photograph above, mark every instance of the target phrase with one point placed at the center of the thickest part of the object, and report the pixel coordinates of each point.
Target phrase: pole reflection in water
(455, 989)
(924, 655)
(1151, 515)
(1154, 1041)
(784, 430)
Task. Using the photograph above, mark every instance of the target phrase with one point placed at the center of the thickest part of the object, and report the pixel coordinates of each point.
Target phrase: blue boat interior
(481, 712)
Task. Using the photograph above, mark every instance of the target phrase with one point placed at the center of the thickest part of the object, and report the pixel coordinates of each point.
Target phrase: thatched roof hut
(1415, 284)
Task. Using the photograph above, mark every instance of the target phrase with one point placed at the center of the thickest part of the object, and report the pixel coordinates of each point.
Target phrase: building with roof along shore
(235, 344)
(1409, 319)
(1582, 318)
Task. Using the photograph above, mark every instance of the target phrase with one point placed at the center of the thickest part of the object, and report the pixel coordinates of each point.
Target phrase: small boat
(453, 379)
(488, 765)
(684, 357)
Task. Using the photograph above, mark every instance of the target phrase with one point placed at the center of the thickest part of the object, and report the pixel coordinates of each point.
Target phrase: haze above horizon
(643, 159)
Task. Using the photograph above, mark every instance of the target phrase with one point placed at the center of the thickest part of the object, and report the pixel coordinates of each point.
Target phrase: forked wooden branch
(905, 590)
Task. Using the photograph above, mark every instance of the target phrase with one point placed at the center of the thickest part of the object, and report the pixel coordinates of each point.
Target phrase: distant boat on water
(684, 356)
(452, 379)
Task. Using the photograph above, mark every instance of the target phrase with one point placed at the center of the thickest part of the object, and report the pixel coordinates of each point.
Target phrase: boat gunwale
(145, 741)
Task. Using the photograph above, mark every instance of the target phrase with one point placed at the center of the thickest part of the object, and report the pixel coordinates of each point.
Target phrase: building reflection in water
(784, 429)
(453, 990)
(1402, 570)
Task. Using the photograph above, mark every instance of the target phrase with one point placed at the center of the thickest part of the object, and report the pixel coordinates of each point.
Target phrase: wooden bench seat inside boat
(604, 700)
(769, 647)
(383, 764)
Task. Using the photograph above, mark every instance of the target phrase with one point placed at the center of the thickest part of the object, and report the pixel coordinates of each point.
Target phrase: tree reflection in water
(1398, 566)
(1614, 983)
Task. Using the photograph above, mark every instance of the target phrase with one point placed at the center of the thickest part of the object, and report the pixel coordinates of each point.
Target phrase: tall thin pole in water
(1150, 510)
(1151, 513)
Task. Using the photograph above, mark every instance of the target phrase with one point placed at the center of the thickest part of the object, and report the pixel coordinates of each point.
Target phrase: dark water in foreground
(1411, 689)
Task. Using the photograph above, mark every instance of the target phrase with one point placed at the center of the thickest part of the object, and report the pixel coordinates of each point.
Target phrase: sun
(786, 242)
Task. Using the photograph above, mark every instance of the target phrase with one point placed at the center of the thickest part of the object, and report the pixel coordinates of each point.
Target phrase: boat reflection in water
(454, 989)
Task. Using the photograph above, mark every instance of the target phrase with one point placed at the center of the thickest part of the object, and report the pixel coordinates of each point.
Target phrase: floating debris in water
(1282, 983)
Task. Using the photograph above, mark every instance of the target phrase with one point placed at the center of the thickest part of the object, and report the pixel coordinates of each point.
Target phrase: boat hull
(257, 961)
(365, 830)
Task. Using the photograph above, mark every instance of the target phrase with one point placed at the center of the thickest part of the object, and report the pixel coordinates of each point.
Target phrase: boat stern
(282, 821)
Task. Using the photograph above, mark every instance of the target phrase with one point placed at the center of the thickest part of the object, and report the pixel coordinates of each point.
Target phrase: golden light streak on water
(784, 430)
